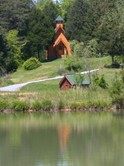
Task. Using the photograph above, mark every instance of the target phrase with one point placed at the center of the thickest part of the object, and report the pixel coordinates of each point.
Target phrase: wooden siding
(65, 84)
(54, 51)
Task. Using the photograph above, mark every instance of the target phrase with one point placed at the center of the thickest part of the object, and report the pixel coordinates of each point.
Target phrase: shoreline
(112, 109)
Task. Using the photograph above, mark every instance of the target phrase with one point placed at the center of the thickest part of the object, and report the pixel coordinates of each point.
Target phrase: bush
(117, 91)
(20, 106)
(61, 105)
(115, 65)
(73, 63)
(73, 44)
(75, 106)
(119, 101)
(98, 104)
(78, 49)
(31, 64)
(101, 82)
(46, 105)
(3, 105)
(37, 106)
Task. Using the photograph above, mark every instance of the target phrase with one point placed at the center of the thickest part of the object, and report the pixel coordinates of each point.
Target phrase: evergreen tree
(7, 62)
(110, 31)
(41, 29)
(99, 19)
(76, 20)
(65, 6)
(14, 13)
(16, 45)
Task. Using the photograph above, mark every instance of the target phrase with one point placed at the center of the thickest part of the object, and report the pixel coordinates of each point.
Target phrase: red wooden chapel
(61, 45)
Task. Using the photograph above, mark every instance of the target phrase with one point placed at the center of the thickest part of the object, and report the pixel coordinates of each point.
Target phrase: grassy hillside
(50, 69)
(50, 90)
(80, 98)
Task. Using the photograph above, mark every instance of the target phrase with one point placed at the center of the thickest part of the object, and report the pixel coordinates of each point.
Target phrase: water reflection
(75, 140)
(64, 132)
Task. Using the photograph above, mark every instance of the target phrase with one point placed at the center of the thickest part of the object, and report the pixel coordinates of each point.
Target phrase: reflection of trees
(90, 145)
(97, 146)
(36, 145)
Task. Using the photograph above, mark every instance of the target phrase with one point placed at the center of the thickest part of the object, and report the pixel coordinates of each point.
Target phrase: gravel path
(16, 87)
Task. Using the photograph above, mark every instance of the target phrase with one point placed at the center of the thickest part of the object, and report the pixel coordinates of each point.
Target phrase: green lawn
(50, 69)
(50, 90)
(95, 97)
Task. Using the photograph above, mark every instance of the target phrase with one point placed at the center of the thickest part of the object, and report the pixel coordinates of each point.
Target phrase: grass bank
(50, 69)
(36, 96)
(46, 96)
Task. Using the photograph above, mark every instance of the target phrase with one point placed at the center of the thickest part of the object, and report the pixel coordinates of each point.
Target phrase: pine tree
(76, 20)
(14, 13)
(41, 29)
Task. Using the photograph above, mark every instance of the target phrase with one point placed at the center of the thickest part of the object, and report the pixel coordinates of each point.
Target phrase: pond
(69, 139)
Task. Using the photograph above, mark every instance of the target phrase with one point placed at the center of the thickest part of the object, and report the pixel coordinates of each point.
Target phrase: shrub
(98, 104)
(20, 106)
(101, 82)
(47, 105)
(75, 106)
(31, 63)
(37, 106)
(3, 105)
(117, 91)
(119, 101)
(78, 106)
(73, 63)
(78, 49)
(73, 44)
(61, 105)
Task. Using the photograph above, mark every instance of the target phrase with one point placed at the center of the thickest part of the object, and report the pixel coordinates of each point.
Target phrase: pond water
(70, 139)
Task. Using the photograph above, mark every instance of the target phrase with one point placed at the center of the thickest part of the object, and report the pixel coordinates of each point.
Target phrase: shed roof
(59, 19)
(86, 82)
(71, 79)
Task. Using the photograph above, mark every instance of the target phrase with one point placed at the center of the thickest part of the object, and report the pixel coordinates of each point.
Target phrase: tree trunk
(112, 59)
(38, 53)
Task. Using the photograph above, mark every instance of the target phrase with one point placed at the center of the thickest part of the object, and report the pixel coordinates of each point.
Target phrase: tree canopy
(99, 19)
(14, 14)
(41, 28)
(27, 28)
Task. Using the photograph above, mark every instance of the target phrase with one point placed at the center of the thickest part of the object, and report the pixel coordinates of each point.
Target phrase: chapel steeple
(59, 19)
(59, 22)
(61, 46)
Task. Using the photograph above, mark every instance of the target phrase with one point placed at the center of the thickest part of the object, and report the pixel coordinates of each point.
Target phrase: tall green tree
(99, 19)
(16, 45)
(41, 28)
(65, 6)
(7, 62)
(76, 20)
(14, 14)
(110, 30)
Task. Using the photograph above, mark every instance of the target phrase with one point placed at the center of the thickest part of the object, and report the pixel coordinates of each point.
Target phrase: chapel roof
(59, 19)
